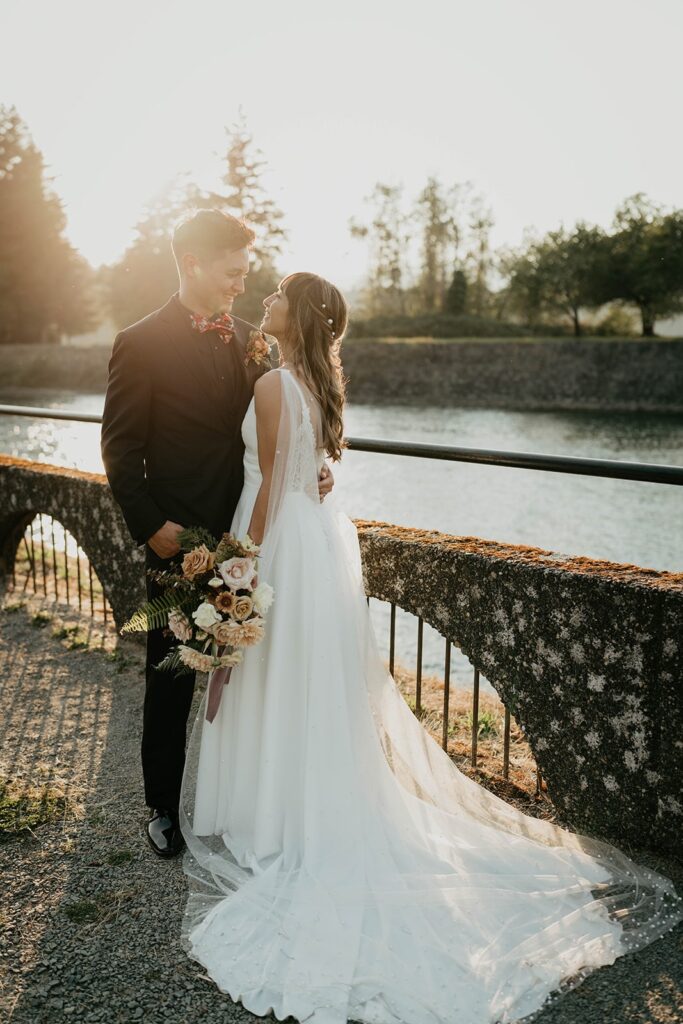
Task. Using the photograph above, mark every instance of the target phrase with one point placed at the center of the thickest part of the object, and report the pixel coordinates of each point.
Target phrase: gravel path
(89, 917)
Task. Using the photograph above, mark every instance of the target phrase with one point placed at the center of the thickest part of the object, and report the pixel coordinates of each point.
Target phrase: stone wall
(554, 373)
(587, 655)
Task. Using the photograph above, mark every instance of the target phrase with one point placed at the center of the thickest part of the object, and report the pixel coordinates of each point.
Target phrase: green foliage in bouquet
(170, 579)
(230, 547)
(194, 536)
(154, 614)
(173, 663)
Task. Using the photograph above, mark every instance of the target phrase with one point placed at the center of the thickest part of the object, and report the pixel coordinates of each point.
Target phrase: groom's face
(218, 281)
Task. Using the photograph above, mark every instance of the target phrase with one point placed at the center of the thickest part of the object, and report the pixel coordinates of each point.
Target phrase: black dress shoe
(163, 833)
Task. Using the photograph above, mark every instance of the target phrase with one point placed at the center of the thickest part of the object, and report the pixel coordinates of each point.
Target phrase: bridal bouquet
(212, 603)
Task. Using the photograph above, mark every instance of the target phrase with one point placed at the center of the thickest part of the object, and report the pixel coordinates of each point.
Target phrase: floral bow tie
(223, 323)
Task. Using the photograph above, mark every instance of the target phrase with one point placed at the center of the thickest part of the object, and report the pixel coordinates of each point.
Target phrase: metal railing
(643, 472)
(646, 472)
(475, 720)
(50, 563)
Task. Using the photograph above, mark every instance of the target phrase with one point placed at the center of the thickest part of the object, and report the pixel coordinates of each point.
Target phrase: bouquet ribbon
(217, 680)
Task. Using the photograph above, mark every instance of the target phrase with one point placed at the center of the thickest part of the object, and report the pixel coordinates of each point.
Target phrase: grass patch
(72, 637)
(64, 632)
(486, 726)
(13, 607)
(119, 660)
(82, 911)
(104, 908)
(118, 857)
(41, 619)
(25, 808)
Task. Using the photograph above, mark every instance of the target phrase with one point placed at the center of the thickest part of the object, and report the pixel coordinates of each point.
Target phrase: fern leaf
(173, 663)
(151, 615)
(194, 536)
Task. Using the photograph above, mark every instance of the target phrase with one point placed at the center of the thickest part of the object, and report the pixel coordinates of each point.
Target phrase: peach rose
(244, 606)
(180, 625)
(222, 633)
(240, 634)
(197, 562)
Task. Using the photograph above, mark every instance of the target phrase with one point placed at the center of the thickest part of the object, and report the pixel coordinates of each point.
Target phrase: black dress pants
(168, 699)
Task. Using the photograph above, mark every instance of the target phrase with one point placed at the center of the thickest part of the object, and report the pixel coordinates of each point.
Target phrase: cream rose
(262, 597)
(180, 625)
(206, 616)
(197, 562)
(238, 572)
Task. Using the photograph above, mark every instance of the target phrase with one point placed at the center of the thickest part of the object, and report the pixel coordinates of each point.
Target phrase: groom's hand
(325, 481)
(164, 542)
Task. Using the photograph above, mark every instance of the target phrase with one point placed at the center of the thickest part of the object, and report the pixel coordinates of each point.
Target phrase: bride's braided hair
(317, 320)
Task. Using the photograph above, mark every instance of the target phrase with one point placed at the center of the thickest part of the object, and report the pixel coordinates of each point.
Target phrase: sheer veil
(463, 844)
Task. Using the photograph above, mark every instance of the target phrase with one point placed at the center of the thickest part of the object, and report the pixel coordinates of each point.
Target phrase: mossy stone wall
(588, 655)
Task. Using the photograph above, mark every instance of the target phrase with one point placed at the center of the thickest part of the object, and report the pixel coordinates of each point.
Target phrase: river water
(618, 520)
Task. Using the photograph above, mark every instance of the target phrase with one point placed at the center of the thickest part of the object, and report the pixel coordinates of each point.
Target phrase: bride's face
(276, 314)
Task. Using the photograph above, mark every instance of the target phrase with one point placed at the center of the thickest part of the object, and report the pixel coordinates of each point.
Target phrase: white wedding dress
(340, 866)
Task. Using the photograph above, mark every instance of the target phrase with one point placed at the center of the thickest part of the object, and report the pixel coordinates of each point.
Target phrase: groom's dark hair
(207, 233)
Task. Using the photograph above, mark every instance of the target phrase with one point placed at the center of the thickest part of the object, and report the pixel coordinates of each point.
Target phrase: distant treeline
(431, 268)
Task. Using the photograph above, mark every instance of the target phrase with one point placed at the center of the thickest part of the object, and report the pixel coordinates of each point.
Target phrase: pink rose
(238, 573)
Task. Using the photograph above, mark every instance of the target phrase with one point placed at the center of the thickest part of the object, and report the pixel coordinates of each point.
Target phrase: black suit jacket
(171, 429)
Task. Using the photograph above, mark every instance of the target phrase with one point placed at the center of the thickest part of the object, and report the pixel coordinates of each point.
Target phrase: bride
(340, 866)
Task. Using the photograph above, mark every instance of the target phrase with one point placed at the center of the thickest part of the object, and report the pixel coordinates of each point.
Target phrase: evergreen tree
(246, 197)
(455, 301)
(146, 276)
(43, 280)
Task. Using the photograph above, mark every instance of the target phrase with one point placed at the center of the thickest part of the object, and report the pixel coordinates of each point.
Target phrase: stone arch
(83, 504)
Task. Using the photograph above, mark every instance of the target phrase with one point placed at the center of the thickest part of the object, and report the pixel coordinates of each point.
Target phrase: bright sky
(556, 111)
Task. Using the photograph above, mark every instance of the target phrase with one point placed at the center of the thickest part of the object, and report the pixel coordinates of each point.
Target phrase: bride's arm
(267, 403)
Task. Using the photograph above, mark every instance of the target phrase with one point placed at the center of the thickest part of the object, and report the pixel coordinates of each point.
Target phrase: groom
(180, 382)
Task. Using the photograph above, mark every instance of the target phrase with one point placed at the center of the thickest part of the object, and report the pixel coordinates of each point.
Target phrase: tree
(436, 218)
(524, 294)
(643, 262)
(479, 256)
(388, 237)
(146, 275)
(43, 279)
(455, 301)
(247, 198)
(559, 273)
(569, 263)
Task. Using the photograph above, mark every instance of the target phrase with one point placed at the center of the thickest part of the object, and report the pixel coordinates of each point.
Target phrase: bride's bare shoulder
(267, 390)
